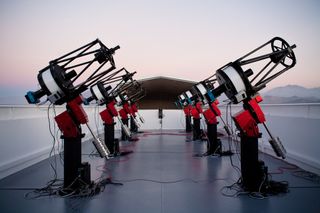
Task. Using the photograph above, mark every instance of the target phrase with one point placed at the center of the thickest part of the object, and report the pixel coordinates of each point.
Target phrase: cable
(281, 169)
(230, 140)
(304, 187)
(300, 173)
(18, 189)
(307, 176)
(234, 188)
(55, 187)
(52, 151)
(106, 179)
(165, 133)
(171, 182)
(83, 189)
(105, 170)
(266, 189)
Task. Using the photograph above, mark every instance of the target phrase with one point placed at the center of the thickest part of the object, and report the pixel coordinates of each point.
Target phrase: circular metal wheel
(278, 44)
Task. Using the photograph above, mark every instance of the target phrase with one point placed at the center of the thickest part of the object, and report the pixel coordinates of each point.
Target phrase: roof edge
(167, 78)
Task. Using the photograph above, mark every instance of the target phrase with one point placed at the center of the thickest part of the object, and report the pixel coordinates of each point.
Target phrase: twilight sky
(185, 39)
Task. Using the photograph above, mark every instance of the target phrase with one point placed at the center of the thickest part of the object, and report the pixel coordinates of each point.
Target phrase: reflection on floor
(162, 175)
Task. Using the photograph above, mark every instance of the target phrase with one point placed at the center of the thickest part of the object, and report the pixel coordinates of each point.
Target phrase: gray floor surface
(162, 175)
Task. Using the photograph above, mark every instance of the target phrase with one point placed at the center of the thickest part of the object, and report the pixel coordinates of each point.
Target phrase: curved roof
(162, 92)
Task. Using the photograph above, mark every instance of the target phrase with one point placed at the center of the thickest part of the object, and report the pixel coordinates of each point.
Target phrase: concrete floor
(161, 175)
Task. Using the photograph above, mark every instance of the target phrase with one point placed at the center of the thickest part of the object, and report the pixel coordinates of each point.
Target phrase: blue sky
(175, 38)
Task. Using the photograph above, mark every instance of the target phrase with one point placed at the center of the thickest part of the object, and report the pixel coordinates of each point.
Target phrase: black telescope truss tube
(281, 56)
(68, 76)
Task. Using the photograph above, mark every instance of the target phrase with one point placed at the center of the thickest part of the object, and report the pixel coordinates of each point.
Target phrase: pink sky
(181, 39)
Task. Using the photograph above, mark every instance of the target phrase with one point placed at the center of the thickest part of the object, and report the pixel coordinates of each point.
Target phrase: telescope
(62, 82)
(241, 80)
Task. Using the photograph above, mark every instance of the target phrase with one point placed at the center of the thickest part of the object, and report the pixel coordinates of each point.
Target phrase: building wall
(25, 136)
(297, 126)
(172, 119)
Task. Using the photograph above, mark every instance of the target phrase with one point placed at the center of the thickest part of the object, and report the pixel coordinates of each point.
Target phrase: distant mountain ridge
(293, 90)
(292, 94)
(289, 100)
